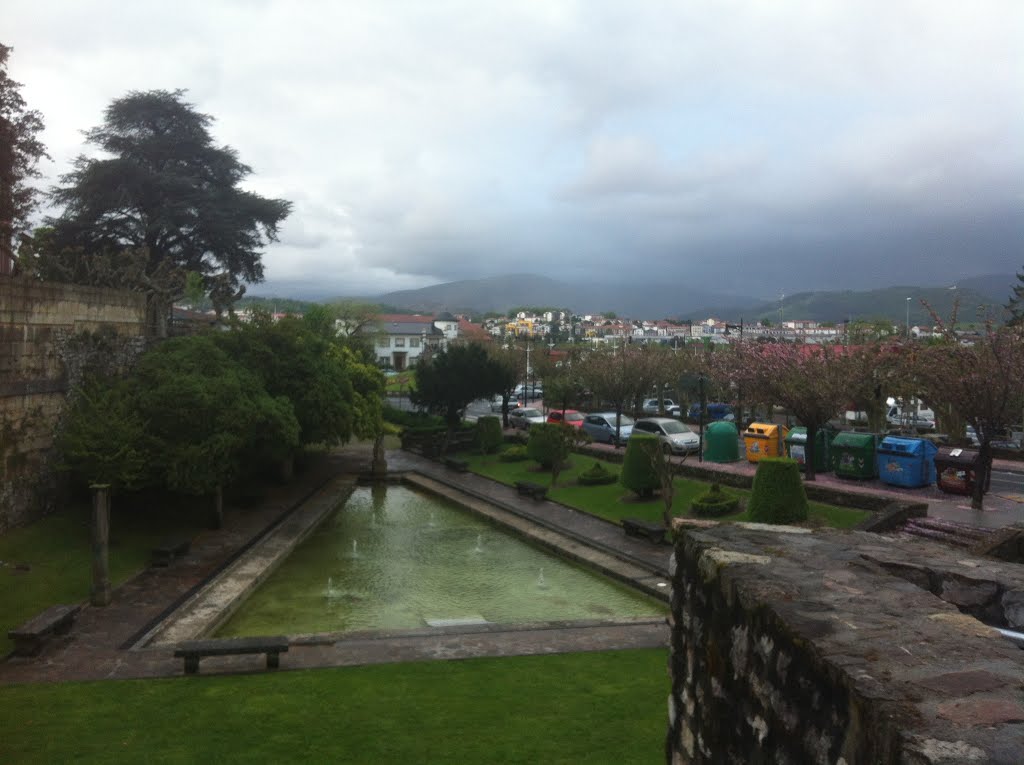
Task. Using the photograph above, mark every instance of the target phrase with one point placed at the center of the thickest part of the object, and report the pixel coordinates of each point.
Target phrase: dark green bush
(777, 495)
(546, 444)
(639, 473)
(598, 475)
(514, 454)
(410, 419)
(715, 503)
(488, 434)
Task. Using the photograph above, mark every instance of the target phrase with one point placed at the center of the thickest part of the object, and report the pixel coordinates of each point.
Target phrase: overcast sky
(757, 147)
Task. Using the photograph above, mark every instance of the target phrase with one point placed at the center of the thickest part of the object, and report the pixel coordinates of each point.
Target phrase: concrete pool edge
(218, 599)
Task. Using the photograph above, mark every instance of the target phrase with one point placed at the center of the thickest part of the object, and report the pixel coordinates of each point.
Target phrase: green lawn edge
(613, 502)
(601, 707)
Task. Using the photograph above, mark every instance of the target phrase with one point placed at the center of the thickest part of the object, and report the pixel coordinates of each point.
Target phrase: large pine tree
(167, 191)
(1016, 304)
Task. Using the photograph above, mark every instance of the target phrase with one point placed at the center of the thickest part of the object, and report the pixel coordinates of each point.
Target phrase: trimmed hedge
(410, 419)
(514, 454)
(777, 495)
(488, 434)
(715, 503)
(638, 467)
(598, 475)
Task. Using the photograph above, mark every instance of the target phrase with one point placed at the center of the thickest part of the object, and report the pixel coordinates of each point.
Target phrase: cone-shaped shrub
(546, 444)
(488, 434)
(778, 493)
(715, 503)
(639, 472)
(514, 454)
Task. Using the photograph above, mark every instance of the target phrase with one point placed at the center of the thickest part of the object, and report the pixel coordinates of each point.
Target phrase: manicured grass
(606, 707)
(50, 561)
(403, 382)
(613, 502)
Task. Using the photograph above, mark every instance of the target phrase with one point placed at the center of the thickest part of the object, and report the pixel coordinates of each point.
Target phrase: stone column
(100, 595)
(217, 521)
(380, 466)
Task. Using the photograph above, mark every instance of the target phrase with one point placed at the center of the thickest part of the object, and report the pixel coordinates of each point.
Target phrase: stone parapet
(794, 646)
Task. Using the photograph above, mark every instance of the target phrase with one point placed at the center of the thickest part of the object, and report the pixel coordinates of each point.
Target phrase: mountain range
(659, 300)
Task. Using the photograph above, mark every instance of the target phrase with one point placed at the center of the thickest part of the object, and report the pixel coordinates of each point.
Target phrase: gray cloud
(731, 143)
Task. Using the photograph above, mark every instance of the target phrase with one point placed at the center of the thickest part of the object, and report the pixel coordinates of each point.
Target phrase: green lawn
(50, 561)
(614, 503)
(403, 382)
(606, 707)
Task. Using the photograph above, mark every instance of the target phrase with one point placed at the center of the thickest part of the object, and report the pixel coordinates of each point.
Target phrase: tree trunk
(100, 594)
(380, 465)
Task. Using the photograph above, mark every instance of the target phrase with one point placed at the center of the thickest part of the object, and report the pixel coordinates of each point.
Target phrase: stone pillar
(217, 519)
(100, 595)
(288, 468)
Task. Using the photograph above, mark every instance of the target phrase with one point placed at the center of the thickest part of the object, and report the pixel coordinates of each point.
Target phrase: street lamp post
(700, 390)
(908, 318)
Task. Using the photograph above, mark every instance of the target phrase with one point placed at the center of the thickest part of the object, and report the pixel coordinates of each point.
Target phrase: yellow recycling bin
(763, 439)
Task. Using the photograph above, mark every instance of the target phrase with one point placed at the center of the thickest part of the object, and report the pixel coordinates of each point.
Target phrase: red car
(566, 417)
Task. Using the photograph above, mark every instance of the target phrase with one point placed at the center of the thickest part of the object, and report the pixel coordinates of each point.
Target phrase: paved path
(99, 646)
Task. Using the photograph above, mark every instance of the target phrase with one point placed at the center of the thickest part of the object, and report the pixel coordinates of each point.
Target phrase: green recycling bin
(721, 442)
(796, 448)
(853, 455)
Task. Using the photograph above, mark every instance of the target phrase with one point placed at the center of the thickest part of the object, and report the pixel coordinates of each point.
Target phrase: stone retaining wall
(791, 646)
(48, 334)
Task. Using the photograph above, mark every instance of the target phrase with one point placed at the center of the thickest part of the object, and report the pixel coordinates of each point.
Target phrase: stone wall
(792, 646)
(48, 334)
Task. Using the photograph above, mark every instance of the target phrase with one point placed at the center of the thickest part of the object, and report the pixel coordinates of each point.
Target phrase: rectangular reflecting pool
(393, 558)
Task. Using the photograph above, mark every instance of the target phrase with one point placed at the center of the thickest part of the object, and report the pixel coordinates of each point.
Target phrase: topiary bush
(514, 454)
(488, 434)
(639, 473)
(715, 503)
(546, 444)
(777, 495)
(598, 475)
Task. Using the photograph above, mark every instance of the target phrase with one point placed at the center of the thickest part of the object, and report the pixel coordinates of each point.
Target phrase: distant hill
(650, 301)
(996, 287)
(889, 303)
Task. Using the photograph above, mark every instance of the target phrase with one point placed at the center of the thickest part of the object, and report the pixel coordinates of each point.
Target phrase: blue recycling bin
(907, 462)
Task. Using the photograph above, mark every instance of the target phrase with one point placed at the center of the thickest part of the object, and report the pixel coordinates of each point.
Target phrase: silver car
(601, 427)
(523, 417)
(675, 437)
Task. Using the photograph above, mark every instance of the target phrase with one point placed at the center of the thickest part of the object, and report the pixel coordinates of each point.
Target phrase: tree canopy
(167, 190)
(451, 378)
(20, 152)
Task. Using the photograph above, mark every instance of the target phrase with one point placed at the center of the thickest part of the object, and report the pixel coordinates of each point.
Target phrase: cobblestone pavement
(100, 644)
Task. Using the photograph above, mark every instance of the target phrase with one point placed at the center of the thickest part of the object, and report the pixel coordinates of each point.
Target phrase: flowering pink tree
(981, 382)
(812, 382)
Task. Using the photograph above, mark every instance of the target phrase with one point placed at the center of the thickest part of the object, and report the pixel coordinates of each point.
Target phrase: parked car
(919, 421)
(675, 437)
(712, 411)
(651, 406)
(525, 416)
(601, 427)
(496, 403)
(566, 417)
(533, 392)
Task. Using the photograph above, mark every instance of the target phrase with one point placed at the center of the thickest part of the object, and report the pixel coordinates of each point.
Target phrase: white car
(525, 416)
(496, 403)
(672, 409)
(675, 437)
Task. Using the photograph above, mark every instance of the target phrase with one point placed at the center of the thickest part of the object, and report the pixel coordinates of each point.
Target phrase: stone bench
(634, 527)
(193, 650)
(529, 489)
(30, 636)
(169, 549)
(456, 464)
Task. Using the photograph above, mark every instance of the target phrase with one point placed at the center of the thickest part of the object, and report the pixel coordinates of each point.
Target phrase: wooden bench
(528, 489)
(454, 463)
(634, 527)
(169, 549)
(193, 650)
(30, 636)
